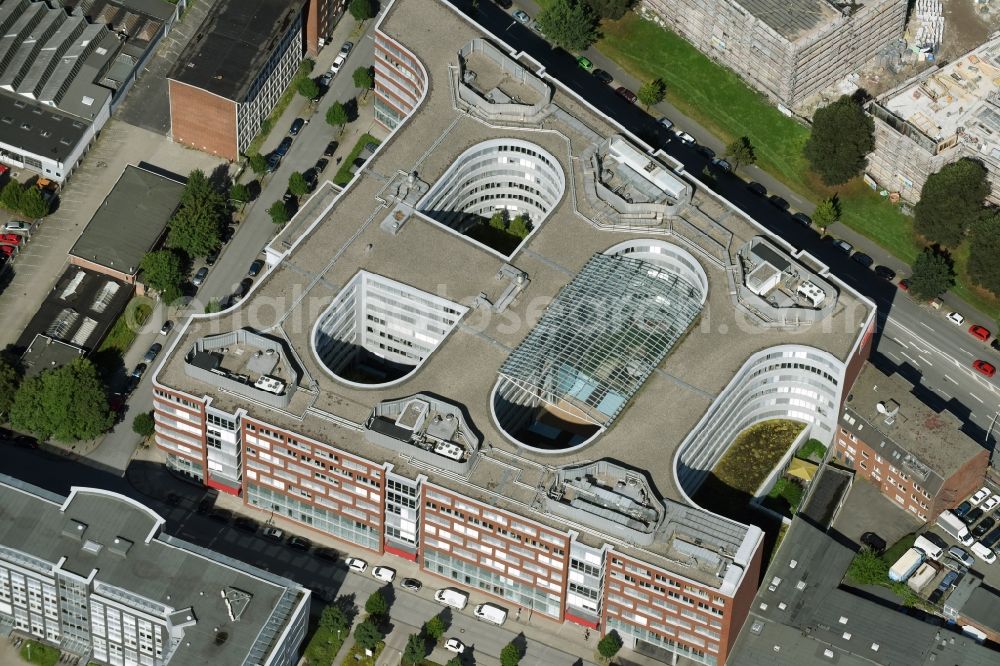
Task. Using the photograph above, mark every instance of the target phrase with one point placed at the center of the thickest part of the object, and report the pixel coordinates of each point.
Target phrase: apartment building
(788, 51)
(321, 18)
(482, 412)
(936, 118)
(229, 77)
(93, 575)
(918, 458)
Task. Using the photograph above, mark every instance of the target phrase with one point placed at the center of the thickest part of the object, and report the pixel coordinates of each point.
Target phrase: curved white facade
(669, 256)
(785, 382)
(509, 174)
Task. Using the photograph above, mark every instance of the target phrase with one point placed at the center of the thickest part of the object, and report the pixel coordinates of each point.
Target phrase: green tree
(827, 212)
(415, 650)
(10, 195)
(652, 93)
(307, 87)
(435, 628)
(239, 193)
(212, 306)
(950, 201)
(510, 655)
(867, 568)
(297, 184)
(499, 220)
(143, 424)
(196, 226)
(520, 226)
(362, 10)
(334, 619)
(363, 78)
(9, 380)
(32, 204)
(336, 116)
(610, 9)
(278, 212)
(258, 164)
(741, 152)
(367, 635)
(930, 275)
(609, 646)
(454, 661)
(842, 135)
(163, 270)
(984, 254)
(569, 23)
(376, 604)
(68, 403)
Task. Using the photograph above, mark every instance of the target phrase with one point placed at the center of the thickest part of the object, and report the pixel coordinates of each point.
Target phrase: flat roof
(39, 129)
(792, 19)
(130, 220)
(929, 445)
(140, 20)
(45, 353)
(170, 573)
(349, 235)
(232, 45)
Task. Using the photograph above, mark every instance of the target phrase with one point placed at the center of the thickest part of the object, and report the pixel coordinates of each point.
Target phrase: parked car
(979, 332)
(242, 288)
(962, 509)
(979, 496)
(199, 277)
(722, 164)
(151, 353)
(324, 81)
(778, 202)
(255, 267)
(585, 64)
(843, 246)
(328, 554)
(991, 503)
(450, 596)
(521, 17)
(355, 564)
(803, 219)
(956, 318)
(667, 123)
(935, 539)
(603, 76)
(273, 533)
(982, 552)
(226, 234)
(345, 50)
(273, 162)
(983, 526)
(454, 645)
(504, 4)
(15, 226)
(384, 574)
(757, 188)
(338, 62)
(984, 368)
(411, 584)
(961, 556)
(972, 516)
(490, 613)
(311, 177)
(863, 259)
(874, 542)
(297, 126)
(885, 273)
(321, 164)
(167, 327)
(995, 344)
(684, 137)
(330, 149)
(626, 93)
(245, 524)
(299, 543)
(904, 285)
(283, 147)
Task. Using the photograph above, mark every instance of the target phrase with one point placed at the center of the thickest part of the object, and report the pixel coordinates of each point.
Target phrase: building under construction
(787, 49)
(939, 117)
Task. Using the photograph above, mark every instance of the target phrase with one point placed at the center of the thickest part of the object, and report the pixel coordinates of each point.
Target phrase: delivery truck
(906, 565)
(954, 526)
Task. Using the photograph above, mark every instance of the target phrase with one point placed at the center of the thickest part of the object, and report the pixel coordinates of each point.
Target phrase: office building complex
(938, 117)
(788, 51)
(63, 71)
(229, 77)
(918, 458)
(93, 575)
(525, 408)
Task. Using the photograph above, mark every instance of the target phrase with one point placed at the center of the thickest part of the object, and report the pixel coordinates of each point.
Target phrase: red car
(984, 368)
(626, 93)
(979, 332)
(904, 285)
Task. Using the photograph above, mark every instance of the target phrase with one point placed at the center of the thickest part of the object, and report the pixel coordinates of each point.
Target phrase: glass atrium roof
(602, 336)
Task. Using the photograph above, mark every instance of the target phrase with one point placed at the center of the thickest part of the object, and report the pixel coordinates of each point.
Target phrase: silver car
(960, 555)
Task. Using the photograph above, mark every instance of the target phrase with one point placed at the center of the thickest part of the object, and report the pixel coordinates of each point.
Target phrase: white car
(454, 645)
(956, 318)
(338, 62)
(356, 565)
(384, 574)
(991, 504)
(978, 497)
(684, 137)
(15, 227)
(983, 553)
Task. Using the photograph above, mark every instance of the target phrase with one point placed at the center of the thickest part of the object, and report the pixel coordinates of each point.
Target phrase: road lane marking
(889, 353)
(926, 361)
(973, 395)
(912, 360)
(965, 351)
(947, 396)
(899, 342)
(925, 325)
(950, 379)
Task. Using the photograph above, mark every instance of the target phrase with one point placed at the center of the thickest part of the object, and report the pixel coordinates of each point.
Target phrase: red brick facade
(204, 121)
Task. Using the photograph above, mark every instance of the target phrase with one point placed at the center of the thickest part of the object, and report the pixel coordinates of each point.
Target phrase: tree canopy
(367, 635)
(376, 604)
(652, 93)
(196, 227)
(827, 212)
(741, 152)
(143, 424)
(68, 403)
(10, 195)
(336, 115)
(297, 184)
(362, 10)
(32, 204)
(334, 618)
(510, 655)
(258, 163)
(9, 380)
(570, 24)
(868, 568)
(950, 201)
(609, 646)
(278, 212)
(435, 627)
(984, 254)
(612, 9)
(931, 275)
(363, 78)
(307, 87)
(842, 136)
(415, 650)
(163, 270)
(239, 193)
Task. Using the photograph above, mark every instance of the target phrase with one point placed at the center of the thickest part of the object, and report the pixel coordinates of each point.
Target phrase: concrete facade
(787, 51)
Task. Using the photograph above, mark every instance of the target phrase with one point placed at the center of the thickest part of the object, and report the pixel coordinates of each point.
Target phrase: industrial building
(938, 117)
(93, 575)
(228, 78)
(920, 459)
(528, 421)
(64, 70)
(787, 50)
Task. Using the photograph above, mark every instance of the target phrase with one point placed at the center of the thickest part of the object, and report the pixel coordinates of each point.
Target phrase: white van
(983, 553)
(449, 596)
(491, 613)
(951, 524)
(932, 551)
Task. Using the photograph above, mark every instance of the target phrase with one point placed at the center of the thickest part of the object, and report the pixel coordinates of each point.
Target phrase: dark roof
(44, 353)
(233, 44)
(49, 133)
(983, 608)
(100, 10)
(826, 495)
(771, 256)
(130, 221)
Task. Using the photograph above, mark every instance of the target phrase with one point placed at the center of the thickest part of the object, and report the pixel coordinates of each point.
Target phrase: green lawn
(785, 497)
(755, 452)
(813, 447)
(344, 175)
(896, 550)
(718, 99)
(34, 652)
(123, 333)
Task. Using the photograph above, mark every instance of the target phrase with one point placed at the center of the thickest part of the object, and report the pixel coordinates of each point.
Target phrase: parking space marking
(926, 361)
(926, 325)
(973, 395)
(950, 379)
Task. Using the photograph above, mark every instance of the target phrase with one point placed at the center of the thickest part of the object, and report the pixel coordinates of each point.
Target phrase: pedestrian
(519, 613)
